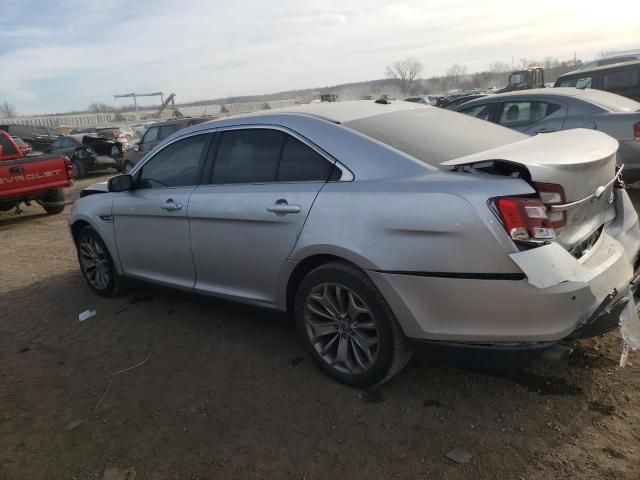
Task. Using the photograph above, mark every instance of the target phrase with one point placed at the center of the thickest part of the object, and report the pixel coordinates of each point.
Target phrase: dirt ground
(227, 392)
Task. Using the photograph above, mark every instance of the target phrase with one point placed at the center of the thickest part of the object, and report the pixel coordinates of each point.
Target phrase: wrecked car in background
(382, 229)
(83, 157)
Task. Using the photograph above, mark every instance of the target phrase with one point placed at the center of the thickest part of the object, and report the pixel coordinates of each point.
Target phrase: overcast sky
(63, 55)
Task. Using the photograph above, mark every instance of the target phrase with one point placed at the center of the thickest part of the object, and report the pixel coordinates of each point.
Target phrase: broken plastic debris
(459, 455)
(72, 425)
(630, 330)
(86, 315)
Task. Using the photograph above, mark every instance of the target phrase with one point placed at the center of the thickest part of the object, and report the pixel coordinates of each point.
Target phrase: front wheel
(347, 326)
(78, 169)
(96, 264)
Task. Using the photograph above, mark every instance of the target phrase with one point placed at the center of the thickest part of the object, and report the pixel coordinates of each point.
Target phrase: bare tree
(405, 71)
(456, 71)
(499, 67)
(96, 107)
(7, 110)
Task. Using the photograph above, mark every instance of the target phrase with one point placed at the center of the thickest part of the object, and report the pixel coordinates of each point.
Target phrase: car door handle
(171, 206)
(545, 130)
(281, 207)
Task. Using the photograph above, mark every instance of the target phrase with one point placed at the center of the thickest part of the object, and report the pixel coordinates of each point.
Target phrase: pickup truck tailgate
(32, 175)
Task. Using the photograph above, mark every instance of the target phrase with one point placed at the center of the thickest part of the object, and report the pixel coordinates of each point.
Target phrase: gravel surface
(222, 391)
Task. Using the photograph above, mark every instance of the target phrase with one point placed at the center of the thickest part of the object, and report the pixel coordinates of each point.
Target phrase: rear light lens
(636, 130)
(552, 194)
(70, 171)
(525, 218)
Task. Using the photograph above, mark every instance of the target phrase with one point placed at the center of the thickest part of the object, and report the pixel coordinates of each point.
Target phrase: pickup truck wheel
(96, 263)
(53, 202)
(78, 169)
(348, 327)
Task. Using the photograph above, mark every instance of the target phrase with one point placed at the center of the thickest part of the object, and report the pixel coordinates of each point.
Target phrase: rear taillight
(636, 130)
(70, 171)
(552, 194)
(525, 219)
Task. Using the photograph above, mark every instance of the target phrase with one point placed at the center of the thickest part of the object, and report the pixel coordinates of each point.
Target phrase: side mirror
(120, 183)
(136, 147)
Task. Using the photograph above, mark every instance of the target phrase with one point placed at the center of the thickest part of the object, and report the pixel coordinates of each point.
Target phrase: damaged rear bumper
(560, 298)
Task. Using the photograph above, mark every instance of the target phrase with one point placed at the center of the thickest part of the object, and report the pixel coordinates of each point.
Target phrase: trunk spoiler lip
(548, 149)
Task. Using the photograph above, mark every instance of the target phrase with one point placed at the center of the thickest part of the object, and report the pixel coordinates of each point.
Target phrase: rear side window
(176, 165)
(515, 114)
(300, 163)
(7, 146)
(483, 112)
(247, 156)
(621, 80)
(577, 82)
(167, 130)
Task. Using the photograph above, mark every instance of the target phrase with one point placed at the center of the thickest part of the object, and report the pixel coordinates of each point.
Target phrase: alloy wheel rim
(341, 328)
(95, 263)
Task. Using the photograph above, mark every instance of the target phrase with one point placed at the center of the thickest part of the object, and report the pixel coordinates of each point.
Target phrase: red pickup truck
(40, 178)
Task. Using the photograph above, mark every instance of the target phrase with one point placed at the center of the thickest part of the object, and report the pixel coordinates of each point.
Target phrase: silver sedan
(547, 110)
(382, 229)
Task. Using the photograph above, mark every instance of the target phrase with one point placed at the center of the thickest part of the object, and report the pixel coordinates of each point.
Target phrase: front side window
(41, 130)
(166, 130)
(483, 112)
(515, 114)
(52, 132)
(176, 165)
(151, 135)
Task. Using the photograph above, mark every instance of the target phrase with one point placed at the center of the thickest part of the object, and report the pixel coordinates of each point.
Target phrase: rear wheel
(53, 202)
(347, 326)
(78, 169)
(96, 264)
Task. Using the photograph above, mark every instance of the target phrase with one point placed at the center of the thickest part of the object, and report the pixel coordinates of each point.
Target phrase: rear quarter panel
(438, 223)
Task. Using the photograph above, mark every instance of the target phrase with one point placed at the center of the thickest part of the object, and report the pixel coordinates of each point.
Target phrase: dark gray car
(552, 109)
(154, 135)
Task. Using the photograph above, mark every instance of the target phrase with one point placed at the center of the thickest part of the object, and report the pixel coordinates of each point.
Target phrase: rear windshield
(19, 142)
(610, 101)
(434, 135)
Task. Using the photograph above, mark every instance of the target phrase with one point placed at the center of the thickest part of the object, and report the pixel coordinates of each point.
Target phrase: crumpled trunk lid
(582, 161)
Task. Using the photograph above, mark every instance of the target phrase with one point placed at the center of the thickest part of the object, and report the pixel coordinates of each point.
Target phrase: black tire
(78, 168)
(56, 196)
(112, 285)
(392, 351)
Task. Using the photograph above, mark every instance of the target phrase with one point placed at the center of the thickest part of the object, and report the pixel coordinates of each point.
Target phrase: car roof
(607, 100)
(429, 134)
(348, 111)
(611, 66)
